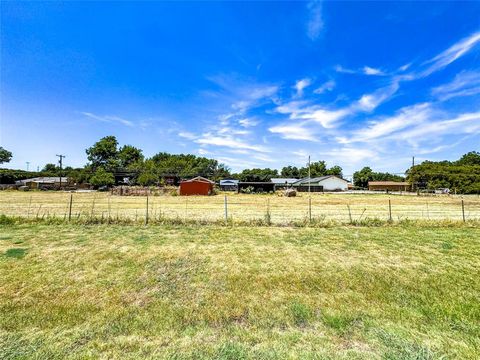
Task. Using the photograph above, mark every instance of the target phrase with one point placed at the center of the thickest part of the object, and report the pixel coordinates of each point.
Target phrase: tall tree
(5, 155)
(104, 153)
(51, 168)
(290, 172)
(362, 177)
(471, 158)
(257, 174)
(128, 155)
(335, 170)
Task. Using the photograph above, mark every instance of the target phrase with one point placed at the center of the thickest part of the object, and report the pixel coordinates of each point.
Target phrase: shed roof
(228, 182)
(199, 179)
(403, 183)
(43, 179)
(306, 181)
(281, 181)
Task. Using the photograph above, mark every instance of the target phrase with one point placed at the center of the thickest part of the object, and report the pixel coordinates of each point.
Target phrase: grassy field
(392, 292)
(337, 207)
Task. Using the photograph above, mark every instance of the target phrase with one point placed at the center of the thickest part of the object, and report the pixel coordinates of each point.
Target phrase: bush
(102, 178)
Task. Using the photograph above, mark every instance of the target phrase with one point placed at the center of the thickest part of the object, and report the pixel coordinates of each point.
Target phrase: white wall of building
(333, 183)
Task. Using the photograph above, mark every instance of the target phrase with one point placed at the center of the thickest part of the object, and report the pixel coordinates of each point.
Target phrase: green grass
(408, 291)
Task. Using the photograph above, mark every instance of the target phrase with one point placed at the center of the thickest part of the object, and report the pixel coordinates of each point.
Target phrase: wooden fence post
(463, 210)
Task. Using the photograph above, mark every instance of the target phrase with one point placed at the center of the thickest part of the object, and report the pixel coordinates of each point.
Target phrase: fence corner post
(463, 210)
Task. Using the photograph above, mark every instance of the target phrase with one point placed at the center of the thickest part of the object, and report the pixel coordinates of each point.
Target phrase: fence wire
(240, 207)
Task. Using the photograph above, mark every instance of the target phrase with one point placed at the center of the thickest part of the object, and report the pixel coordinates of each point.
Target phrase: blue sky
(252, 84)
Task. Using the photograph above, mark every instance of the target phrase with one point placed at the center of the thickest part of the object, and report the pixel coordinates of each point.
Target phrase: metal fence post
(310, 209)
(70, 207)
(389, 210)
(226, 209)
(463, 210)
(146, 213)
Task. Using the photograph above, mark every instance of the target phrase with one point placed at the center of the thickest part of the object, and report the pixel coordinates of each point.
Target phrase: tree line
(111, 164)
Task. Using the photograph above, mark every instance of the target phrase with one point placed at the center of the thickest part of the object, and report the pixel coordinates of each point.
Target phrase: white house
(322, 183)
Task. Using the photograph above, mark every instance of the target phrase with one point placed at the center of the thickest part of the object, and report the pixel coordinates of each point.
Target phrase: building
(44, 182)
(388, 186)
(229, 185)
(196, 186)
(283, 183)
(320, 184)
(256, 186)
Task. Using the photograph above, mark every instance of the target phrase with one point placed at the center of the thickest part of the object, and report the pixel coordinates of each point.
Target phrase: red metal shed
(196, 186)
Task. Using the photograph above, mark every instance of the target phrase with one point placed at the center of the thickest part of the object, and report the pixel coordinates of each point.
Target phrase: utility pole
(28, 164)
(308, 174)
(413, 161)
(60, 162)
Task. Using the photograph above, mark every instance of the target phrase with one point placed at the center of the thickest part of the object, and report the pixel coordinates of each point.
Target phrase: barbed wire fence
(231, 208)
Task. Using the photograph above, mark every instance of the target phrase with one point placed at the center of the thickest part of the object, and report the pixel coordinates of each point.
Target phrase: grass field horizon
(192, 292)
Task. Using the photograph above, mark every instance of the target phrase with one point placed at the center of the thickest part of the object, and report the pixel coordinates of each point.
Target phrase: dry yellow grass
(216, 292)
(242, 207)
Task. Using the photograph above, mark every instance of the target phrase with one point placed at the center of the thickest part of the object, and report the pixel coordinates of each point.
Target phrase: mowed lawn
(394, 292)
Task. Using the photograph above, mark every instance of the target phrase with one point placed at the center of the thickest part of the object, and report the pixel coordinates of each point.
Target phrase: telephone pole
(60, 162)
(308, 174)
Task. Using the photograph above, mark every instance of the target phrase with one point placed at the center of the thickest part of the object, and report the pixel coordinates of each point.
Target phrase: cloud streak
(315, 19)
(109, 119)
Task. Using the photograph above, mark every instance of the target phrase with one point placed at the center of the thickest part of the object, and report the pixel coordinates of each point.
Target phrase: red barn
(196, 186)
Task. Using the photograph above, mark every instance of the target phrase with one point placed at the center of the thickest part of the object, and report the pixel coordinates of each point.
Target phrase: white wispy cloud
(341, 69)
(369, 102)
(187, 135)
(405, 117)
(467, 123)
(327, 86)
(248, 122)
(451, 54)
(315, 19)
(466, 83)
(300, 85)
(229, 142)
(367, 70)
(297, 131)
(109, 119)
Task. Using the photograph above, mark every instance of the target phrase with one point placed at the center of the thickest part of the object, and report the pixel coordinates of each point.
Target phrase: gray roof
(315, 180)
(282, 181)
(229, 182)
(43, 179)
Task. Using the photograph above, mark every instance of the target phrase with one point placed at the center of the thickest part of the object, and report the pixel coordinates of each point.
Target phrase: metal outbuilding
(196, 186)
(388, 186)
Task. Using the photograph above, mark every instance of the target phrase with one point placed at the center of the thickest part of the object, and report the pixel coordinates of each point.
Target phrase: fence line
(233, 208)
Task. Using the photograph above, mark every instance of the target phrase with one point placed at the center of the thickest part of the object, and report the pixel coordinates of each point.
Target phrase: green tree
(290, 172)
(129, 155)
(104, 153)
(102, 178)
(335, 170)
(471, 158)
(362, 177)
(5, 155)
(254, 175)
(50, 168)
